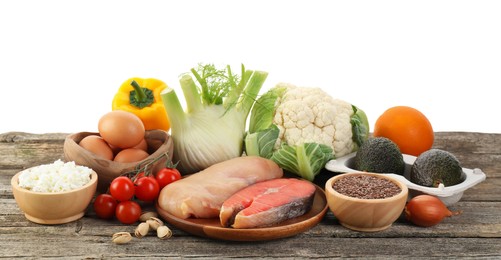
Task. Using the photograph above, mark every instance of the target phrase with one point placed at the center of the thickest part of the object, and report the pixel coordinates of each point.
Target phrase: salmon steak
(267, 203)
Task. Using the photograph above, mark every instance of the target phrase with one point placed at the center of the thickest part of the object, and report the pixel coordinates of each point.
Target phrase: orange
(407, 127)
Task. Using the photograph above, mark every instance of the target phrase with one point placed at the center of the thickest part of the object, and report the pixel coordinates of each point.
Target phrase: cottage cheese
(55, 177)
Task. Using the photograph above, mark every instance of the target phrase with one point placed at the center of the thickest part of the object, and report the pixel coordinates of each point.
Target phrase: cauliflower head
(302, 128)
(309, 115)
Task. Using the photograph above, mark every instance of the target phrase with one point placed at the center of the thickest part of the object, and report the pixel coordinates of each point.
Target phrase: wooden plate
(212, 228)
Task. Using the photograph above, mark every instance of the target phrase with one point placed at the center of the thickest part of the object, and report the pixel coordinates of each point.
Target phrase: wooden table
(474, 233)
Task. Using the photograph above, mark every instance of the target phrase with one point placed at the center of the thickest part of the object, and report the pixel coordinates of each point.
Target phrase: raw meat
(267, 203)
(201, 195)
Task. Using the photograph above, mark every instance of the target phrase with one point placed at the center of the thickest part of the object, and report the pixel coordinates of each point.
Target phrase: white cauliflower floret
(309, 115)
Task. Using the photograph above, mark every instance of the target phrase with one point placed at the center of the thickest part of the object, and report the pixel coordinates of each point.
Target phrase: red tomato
(166, 176)
(122, 188)
(147, 188)
(104, 206)
(128, 212)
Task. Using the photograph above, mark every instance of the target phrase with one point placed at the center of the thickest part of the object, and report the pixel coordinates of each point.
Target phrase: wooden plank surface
(476, 233)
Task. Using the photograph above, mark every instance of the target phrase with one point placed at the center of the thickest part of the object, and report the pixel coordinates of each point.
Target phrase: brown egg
(97, 145)
(131, 155)
(115, 149)
(122, 129)
(143, 145)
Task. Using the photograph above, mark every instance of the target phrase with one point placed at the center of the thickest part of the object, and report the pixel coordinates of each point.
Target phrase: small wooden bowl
(56, 207)
(366, 215)
(159, 142)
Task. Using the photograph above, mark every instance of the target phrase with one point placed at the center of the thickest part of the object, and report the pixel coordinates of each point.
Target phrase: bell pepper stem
(140, 95)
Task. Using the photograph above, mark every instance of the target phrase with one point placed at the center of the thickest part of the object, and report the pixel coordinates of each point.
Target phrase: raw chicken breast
(201, 195)
(267, 203)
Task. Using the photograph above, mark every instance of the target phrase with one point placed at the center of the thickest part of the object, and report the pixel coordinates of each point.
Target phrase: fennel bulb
(212, 129)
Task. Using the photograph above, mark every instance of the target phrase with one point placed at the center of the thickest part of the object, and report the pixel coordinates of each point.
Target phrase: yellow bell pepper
(142, 97)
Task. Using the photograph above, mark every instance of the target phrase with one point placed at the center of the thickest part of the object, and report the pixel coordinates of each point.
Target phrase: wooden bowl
(56, 207)
(159, 142)
(367, 215)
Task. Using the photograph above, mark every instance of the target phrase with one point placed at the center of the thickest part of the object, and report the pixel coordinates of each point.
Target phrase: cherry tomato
(166, 176)
(128, 212)
(122, 188)
(104, 206)
(147, 188)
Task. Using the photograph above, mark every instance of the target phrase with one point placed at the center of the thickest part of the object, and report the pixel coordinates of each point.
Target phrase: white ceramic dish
(449, 195)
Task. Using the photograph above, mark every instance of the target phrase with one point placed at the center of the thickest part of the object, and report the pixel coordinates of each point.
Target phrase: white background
(61, 62)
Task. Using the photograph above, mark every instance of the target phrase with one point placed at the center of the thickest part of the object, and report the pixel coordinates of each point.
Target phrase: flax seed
(366, 187)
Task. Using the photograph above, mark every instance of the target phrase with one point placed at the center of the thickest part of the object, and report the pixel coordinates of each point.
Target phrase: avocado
(437, 166)
(379, 155)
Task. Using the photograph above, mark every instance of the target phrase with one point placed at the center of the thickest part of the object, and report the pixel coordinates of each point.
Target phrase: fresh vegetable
(301, 128)
(146, 188)
(128, 212)
(427, 211)
(213, 127)
(142, 97)
(104, 205)
(435, 167)
(407, 127)
(380, 155)
(121, 129)
(136, 185)
(167, 175)
(122, 188)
